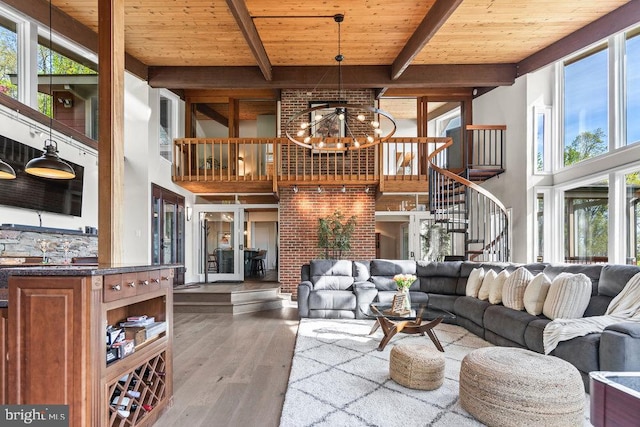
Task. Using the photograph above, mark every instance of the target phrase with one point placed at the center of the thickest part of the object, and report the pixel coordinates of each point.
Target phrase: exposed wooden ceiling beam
(243, 18)
(354, 77)
(433, 20)
(618, 20)
(72, 29)
(212, 114)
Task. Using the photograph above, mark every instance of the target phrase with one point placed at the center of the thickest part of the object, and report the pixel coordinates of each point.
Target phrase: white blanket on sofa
(625, 307)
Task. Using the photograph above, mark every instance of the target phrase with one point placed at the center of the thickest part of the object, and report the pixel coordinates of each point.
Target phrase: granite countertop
(68, 270)
(83, 270)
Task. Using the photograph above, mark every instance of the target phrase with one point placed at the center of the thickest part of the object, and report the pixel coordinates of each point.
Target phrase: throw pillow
(568, 296)
(514, 287)
(474, 282)
(495, 292)
(489, 277)
(536, 293)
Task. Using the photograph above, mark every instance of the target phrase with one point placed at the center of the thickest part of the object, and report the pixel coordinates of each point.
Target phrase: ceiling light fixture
(50, 165)
(6, 171)
(338, 125)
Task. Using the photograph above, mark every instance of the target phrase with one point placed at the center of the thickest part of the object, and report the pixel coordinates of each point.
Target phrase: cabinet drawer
(148, 281)
(166, 278)
(117, 286)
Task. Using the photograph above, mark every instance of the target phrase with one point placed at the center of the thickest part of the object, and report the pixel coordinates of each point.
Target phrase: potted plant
(334, 234)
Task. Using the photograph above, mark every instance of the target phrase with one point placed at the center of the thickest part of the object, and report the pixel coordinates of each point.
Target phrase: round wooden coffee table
(421, 320)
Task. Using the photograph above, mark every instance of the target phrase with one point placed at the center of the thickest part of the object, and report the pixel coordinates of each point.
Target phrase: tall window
(166, 128)
(586, 223)
(632, 70)
(542, 138)
(585, 107)
(8, 58)
(540, 226)
(632, 181)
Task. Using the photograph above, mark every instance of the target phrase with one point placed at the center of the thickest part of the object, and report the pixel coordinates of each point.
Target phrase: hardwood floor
(231, 370)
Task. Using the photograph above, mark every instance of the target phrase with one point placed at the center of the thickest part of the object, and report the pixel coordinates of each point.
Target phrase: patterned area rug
(338, 378)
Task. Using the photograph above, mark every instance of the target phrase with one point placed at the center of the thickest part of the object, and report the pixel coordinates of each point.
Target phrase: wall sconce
(66, 102)
(188, 212)
(366, 190)
(319, 189)
(295, 189)
(344, 189)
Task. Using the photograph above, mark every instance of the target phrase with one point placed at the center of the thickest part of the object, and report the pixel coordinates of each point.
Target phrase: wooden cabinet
(57, 345)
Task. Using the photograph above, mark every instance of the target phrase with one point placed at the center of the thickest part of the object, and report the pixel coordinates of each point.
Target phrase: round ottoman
(417, 366)
(515, 387)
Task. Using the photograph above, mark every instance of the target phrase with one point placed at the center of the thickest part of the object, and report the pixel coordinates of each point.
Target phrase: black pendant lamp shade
(49, 165)
(6, 171)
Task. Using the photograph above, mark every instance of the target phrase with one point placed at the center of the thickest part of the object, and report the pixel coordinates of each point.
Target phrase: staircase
(230, 298)
(462, 207)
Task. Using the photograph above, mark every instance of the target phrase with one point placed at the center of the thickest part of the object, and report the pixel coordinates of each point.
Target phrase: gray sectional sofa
(342, 289)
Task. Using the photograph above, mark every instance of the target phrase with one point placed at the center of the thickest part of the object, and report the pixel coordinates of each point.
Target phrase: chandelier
(338, 125)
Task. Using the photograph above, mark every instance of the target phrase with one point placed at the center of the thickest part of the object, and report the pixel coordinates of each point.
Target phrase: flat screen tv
(40, 194)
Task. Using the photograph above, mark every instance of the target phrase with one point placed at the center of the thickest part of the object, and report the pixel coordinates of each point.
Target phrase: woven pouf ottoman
(502, 386)
(417, 366)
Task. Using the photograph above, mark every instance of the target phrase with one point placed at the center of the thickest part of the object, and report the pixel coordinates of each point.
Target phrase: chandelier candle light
(337, 125)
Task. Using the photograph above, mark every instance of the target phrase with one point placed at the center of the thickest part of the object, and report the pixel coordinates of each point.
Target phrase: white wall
(25, 133)
(144, 166)
(508, 106)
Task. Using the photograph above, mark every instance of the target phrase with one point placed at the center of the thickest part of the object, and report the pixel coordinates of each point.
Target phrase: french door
(220, 242)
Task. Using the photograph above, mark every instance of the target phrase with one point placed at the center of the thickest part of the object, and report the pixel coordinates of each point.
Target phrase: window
(586, 223)
(540, 226)
(632, 183)
(542, 138)
(8, 58)
(632, 70)
(166, 128)
(586, 107)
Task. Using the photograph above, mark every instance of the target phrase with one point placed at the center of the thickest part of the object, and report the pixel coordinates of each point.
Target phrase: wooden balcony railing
(279, 161)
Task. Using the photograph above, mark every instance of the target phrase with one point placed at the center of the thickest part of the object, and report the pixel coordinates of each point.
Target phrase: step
(230, 298)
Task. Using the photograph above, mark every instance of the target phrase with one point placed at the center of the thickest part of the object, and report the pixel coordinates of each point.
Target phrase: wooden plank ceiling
(255, 43)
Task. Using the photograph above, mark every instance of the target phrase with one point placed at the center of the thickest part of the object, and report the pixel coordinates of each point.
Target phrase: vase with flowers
(403, 282)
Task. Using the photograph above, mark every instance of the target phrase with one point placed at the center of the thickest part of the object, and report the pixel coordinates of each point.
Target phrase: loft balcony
(263, 165)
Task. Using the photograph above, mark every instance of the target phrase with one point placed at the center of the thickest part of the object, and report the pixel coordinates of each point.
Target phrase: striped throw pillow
(568, 296)
(514, 287)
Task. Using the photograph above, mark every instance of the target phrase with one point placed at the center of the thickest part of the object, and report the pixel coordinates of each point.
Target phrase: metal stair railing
(461, 206)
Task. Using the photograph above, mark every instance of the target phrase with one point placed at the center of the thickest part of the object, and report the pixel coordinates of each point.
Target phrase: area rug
(338, 378)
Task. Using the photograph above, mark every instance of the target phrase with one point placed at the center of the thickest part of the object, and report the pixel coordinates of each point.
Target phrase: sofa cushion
(508, 323)
(361, 271)
(536, 293)
(581, 352)
(332, 300)
(470, 308)
(614, 277)
(514, 287)
(495, 291)
(474, 282)
(331, 274)
(568, 296)
(438, 277)
(383, 270)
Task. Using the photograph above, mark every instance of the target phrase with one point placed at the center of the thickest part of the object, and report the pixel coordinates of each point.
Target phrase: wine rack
(138, 392)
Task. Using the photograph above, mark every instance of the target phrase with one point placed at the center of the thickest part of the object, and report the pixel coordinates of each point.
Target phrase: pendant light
(49, 165)
(6, 171)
